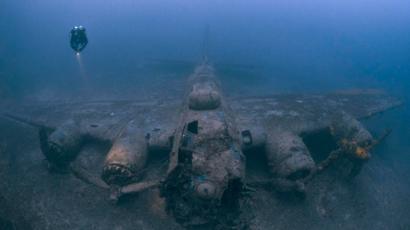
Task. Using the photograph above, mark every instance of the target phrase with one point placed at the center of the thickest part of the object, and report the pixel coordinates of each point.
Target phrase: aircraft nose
(206, 190)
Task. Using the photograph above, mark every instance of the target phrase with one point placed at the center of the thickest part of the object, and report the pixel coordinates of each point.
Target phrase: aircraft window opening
(193, 127)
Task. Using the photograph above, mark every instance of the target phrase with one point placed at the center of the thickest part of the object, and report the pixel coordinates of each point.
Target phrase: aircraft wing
(307, 113)
(103, 119)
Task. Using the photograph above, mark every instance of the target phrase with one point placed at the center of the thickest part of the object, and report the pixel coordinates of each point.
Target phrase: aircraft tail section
(205, 46)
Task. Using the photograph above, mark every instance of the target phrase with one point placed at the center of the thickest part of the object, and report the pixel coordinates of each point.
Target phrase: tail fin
(205, 45)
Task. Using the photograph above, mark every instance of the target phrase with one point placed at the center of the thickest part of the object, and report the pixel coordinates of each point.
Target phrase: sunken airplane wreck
(205, 135)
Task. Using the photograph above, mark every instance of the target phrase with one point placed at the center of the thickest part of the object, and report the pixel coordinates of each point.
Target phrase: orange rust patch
(361, 153)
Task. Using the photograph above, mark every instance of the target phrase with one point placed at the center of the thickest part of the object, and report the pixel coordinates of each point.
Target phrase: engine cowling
(63, 144)
(355, 141)
(352, 136)
(288, 157)
(126, 158)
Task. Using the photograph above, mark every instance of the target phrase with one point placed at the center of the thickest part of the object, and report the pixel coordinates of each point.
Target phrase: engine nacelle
(126, 158)
(288, 157)
(355, 141)
(63, 144)
(352, 135)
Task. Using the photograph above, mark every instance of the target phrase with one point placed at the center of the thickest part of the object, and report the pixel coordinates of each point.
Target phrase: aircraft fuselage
(206, 149)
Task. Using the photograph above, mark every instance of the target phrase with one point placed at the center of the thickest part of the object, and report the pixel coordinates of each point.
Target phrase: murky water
(144, 50)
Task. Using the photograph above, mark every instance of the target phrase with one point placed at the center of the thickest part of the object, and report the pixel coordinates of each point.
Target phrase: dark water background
(263, 47)
(309, 45)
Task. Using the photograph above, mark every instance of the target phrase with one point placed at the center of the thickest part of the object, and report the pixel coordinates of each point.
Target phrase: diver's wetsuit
(78, 40)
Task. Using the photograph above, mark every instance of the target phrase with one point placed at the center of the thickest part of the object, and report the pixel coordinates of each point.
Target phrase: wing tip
(394, 103)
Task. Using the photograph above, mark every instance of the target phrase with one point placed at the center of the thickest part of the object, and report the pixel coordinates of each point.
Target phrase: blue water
(292, 46)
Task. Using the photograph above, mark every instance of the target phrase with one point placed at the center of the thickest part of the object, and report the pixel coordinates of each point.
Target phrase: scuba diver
(78, 38)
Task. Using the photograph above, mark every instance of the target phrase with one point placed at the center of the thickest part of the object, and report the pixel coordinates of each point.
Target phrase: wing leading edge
(306, 113)
(102, 120)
